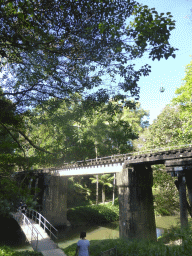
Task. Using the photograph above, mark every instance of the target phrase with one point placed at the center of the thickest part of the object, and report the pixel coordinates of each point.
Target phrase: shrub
(94, 214)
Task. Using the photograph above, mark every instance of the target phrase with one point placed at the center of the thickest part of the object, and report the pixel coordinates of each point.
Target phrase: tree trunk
(113, 190)
(103, 194)
(97, 190)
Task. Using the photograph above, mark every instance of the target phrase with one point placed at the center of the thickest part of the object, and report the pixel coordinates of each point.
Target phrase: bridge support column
(183, 202)
(137, 219)
(55, 200)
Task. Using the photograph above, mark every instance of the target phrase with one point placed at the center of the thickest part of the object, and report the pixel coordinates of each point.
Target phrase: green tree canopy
(183, 101)
(71, 132)
(166, 130)
(56, 48)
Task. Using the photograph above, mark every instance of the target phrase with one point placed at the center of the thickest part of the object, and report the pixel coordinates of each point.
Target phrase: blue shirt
(83, 247)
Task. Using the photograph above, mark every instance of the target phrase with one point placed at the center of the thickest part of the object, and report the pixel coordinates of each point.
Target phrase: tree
(104, 180)
(166, 197)
(183, 101)
(71, 132)
(78, 191)
(166, 130)
(60, 47)
(53, 49)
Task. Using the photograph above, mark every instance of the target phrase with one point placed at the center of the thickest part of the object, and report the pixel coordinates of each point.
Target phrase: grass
(134, 248)
(7, 251)
(164, 247)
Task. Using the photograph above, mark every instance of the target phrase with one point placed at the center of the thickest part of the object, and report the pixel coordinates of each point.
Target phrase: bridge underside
(90, 170)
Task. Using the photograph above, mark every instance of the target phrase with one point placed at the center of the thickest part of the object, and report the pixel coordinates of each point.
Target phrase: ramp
(36, 236)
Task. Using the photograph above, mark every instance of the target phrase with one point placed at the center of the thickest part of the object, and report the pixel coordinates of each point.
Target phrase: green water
(70, 235)
(108, 231)
(166, 222)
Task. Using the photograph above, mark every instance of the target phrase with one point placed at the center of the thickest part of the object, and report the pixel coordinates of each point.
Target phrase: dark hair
(82, 234)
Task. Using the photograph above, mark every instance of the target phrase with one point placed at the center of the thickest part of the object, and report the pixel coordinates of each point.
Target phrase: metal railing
(35, 234)
(123, 156)
(43, 222)
(22, 219)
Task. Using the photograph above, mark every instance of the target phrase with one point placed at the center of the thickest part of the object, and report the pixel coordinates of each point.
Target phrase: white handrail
(32, 227)
(21, 218)
(37, 217)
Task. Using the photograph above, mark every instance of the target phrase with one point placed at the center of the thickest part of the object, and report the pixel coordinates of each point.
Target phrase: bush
(94, 214)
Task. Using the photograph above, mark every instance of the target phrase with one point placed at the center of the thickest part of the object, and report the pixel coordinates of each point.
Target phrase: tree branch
(31, 143)
(19, 145)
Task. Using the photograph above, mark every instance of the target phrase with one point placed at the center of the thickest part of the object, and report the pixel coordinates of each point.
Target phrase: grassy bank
(7, 251)
(134, 248)
(176, 242)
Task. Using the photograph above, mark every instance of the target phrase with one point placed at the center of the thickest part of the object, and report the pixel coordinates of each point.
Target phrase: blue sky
(167, 73)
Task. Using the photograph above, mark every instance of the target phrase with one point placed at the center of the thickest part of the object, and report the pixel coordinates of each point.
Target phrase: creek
(70, 234)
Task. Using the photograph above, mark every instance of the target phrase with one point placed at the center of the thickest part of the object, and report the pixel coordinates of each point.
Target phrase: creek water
(70, 234)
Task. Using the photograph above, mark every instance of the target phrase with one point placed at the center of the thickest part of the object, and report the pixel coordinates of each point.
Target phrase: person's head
(83, 234)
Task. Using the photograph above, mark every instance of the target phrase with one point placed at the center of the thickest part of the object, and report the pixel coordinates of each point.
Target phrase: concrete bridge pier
(137, 219)
(188, 176)
(183, 202)
(54, 206)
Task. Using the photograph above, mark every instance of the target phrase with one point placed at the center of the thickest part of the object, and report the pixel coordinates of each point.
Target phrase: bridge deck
(45, 245)
(114, 163)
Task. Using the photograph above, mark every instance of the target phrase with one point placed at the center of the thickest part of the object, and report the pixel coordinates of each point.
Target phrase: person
(83, 246)
(22, 207)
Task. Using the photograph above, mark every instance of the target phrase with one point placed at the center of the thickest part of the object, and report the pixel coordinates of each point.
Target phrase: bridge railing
(124, 157)
(34, 235)
(43, 222)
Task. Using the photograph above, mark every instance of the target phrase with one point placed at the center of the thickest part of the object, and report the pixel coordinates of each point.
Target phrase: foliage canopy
(60, 47)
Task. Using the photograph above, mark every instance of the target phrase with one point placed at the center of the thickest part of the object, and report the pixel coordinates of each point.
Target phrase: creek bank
(136, 248)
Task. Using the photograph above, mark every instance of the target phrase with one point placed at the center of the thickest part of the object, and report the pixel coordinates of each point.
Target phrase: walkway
(44, 244)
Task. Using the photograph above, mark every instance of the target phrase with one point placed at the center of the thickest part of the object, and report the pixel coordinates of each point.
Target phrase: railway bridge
(134, 178)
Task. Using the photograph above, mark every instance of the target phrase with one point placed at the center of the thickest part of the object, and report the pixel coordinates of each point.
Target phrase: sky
(167, 73)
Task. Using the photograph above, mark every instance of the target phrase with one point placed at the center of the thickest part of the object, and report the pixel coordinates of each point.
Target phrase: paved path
(45, 245)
